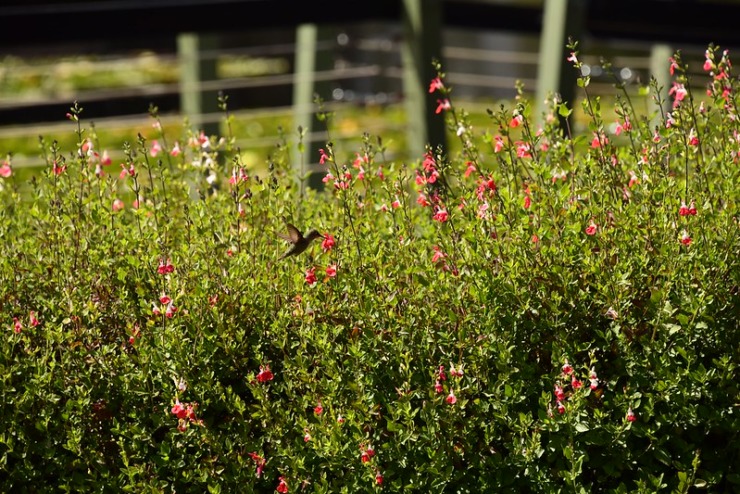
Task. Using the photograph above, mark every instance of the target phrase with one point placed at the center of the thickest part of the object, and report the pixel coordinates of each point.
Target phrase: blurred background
(119, 58)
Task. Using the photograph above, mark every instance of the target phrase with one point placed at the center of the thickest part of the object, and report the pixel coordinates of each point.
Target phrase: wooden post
(422, 44)
(660, 69)
(195, 69)
(562, 19)
(308, 60)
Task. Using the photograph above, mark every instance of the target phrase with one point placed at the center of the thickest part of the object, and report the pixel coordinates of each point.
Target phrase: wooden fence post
(309, 58)
(195, 69)
(660, 69)
(422, 43)
(562, 19)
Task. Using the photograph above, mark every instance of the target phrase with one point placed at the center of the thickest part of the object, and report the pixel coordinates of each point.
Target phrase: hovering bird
(295, 237)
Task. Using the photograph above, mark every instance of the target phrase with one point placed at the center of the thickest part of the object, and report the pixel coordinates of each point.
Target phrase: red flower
(527, 202)
(17, 325)
(331, 270)
(179, 410)
(591, 228)
(367, 453)
(443, 104)
(561, 408)
(470, 169)
(323, 158)
(265, 375)
(311, 276)
(282, 485)
(575, 382)
(318, 409)
(438, 387)
(567, 368)
(631, 417)
(436, 84)
(516, 121)
(164, 299)
(685, 238)
(328, 243)
(451, 398)
(441, 374)
(559, 393)
(441, 215)
(379, 478)
(33, 321)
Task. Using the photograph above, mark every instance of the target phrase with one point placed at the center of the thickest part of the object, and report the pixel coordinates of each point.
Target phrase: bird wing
(293, 233)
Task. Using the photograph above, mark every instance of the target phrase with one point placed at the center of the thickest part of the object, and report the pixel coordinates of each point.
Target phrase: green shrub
(538, 312)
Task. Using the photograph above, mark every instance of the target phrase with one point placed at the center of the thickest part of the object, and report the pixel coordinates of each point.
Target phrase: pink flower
(516, 121)
(105, 159)
(259, 461)
(311, 275)
(708, 65)
(265, 375)
(131, 171)
(442, 105)
(164, 299)
(323, 157)
(633, 179)
(328, 243)
(679, 92)
(441, 215)
(470, 169)
(176, 150)
(527, 202)
(155, 149)
(561, 408)
(155, 309)
(685, 238)
(631, 417)
(331, 270)
(456, 372)
(306, 437)
(169, 312)
(451, 398)
(396, 203)
(499, 144)
(673, 65)
(436, 257)
(422, 200)
(5, 170)
(535, 239)
(593, 378)
(438, 386)
(523, 150)
(17, 325)
(572, 57)
(340, 419)
(118, 205)
(436, 84)
(32, 320)
(441, 373)
(591, 228)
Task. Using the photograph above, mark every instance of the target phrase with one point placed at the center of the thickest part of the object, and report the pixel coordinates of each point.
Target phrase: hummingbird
(300, 242)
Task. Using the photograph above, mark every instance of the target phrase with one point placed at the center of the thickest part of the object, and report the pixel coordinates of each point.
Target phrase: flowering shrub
(534, 312)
